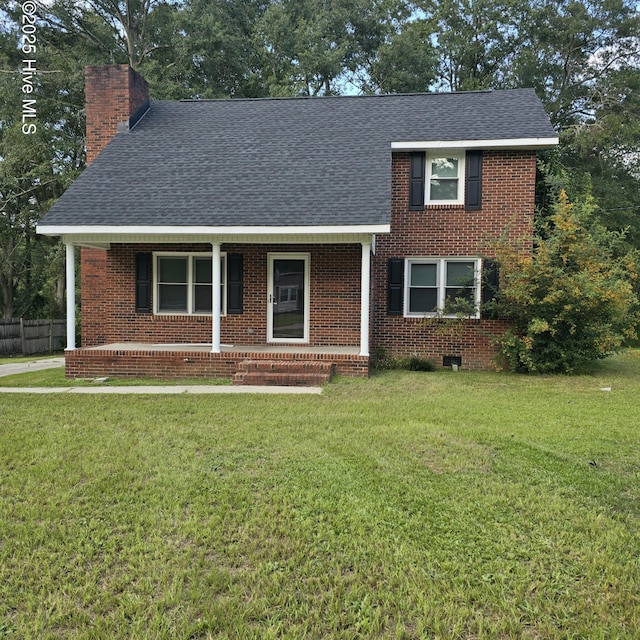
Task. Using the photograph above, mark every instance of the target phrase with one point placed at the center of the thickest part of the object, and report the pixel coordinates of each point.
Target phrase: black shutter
(395, 289)
(143, 283)
(473, 181)
(234, 283)
(416, 181)
(490, 285)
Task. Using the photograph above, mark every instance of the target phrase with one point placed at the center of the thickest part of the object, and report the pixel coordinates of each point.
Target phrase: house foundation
(166, 361)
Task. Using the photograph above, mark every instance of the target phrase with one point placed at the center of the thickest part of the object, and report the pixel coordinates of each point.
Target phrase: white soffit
(102, 236)
(508, 143)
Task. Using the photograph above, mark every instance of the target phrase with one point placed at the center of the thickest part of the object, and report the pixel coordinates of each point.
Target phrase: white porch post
(365, 287)
(215, 297)
(71, 296)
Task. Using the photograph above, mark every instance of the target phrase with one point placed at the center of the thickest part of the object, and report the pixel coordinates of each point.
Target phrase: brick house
(292, 236)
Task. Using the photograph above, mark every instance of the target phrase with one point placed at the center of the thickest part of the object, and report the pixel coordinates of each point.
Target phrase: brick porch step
(299, 373)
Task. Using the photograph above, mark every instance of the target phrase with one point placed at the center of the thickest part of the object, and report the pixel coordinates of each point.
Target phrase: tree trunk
(6, 287)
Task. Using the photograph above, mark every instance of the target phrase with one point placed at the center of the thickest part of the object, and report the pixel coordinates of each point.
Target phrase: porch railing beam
(71, 296)
(215, 297)
(365, 287)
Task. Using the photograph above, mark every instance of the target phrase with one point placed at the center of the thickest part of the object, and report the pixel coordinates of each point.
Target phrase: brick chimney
(116, 98)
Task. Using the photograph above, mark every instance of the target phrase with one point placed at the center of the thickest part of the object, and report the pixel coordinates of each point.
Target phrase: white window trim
(441, 284)
(446, 153)
(190, 284)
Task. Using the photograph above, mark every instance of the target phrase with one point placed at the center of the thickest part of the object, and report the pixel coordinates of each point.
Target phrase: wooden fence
(26, 337)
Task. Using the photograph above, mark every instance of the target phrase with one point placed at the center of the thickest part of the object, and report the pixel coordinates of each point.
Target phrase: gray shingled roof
(278, 162)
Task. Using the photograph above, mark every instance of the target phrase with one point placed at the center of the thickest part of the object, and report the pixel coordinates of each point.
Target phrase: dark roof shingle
(279, 162)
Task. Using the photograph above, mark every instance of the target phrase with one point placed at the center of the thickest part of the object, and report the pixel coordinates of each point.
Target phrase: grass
(411, 505)
(55, 378)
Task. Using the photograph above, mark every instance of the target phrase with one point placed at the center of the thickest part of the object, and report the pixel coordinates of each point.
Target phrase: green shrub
(573, 302)
(384, 361)
(415, 363)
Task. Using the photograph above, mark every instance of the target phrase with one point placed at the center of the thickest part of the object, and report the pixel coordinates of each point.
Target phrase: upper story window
(183, 283)
(445, 178)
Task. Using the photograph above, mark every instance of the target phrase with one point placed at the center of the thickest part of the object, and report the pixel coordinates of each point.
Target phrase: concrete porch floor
(226, 348)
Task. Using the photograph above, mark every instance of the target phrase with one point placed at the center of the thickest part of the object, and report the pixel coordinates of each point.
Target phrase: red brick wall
(113, 94)
(108, 303)
(508, 184)
(189, 364)
(93, 296)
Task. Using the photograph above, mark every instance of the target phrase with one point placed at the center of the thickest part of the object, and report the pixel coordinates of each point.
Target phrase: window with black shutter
(183, 284)
(416, 181)
(143, 282)
(234, 283)
(395, 286)
(446, 177)
(490, 285)
(473, 181)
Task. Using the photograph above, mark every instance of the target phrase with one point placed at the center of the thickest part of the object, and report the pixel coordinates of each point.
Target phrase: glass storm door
(288, 298)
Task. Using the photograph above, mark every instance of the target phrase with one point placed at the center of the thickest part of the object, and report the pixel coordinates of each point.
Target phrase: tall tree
(304, 45)
(474, 40)
(566, 48)
(405, 63)
(40, 153)
(323, 47)
(121, 30)
(584, 59)
(606, 149)
(582, 56)
(213, 49)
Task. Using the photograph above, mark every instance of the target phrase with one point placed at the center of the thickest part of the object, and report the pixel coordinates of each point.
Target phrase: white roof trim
(103, 237)
(507, 143)
(115, 231)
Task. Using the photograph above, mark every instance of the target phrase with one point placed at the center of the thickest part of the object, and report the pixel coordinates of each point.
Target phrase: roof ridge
(359, 96)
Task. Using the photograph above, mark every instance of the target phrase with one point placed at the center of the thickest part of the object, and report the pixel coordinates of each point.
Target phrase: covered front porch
(243, 364)
(187, 306)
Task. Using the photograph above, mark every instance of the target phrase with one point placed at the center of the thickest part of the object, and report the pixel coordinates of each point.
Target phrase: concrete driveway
(30, 365)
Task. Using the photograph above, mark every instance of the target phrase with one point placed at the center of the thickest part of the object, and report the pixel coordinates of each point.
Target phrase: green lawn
(55, 377)
(411, 505)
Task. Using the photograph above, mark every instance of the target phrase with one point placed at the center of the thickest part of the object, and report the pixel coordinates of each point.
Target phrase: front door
(288, 297)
